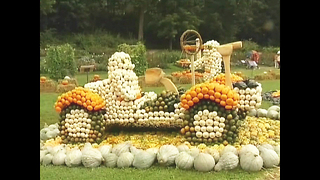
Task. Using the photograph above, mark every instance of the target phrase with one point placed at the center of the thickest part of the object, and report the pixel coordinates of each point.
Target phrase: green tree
(46, 6)
(60, 61)
(172, 18)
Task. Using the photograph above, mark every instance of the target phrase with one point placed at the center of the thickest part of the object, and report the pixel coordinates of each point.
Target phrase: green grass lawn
(154, 172)
(49, 116)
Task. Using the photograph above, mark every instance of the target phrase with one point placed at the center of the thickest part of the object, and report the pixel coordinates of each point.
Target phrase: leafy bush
(162, 58)
(138, 56)
(43, 66)
(60, 61)
(48, 37)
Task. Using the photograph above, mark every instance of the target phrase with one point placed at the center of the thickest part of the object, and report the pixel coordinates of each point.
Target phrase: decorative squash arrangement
(207, 115)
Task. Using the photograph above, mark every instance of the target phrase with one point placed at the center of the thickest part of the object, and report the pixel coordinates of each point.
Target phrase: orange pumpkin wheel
(200, 96)
(228, 107)
(89, 107)
(217, 100)
(218, 88)
(224, 97)
(97, 107)
(230, 94)
(223, 103)
(67, 102)
(193, 93)
(206, 96)
(190, 103)
(204, 90)
(217, 95)
(184, 101)
(198, 90)
(195, 99)
(79, 102)
(58, 109)
(229, 101)
(188, 97)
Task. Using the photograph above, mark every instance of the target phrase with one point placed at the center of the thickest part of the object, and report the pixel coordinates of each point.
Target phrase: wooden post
(193, 82)
(198, 46)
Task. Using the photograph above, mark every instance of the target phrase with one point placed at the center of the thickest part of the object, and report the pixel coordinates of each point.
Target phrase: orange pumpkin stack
(221, 78)
(81, 96)
(214, 91)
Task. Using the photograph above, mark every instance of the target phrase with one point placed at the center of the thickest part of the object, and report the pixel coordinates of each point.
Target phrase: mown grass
(155, 172)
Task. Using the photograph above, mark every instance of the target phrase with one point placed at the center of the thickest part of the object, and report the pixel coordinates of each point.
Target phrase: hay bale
(48, 86)
(64, 88)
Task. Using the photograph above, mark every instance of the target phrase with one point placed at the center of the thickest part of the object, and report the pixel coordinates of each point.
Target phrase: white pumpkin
(251, 161)
(203, 162)
(227, 161)
(183, 147)
(47, 159)
(277, 149)
(248, 147)
(262, 112)
(121, 148)
(194, 152)
(111, 160)
(125, 160)
(143, 159)
(105, 149)
(229, 148)
(184, 160)
(73, 158)
(214, 153)
(91, 157)
(59, 158)
(167, 154)
(272, 114)
(270, 157)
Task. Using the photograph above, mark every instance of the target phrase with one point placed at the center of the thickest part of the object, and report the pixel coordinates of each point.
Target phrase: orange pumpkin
(43, 79)
(64, 82)
(96, 76)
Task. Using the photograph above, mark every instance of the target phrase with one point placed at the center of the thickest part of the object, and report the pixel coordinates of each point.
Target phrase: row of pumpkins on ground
(124, 155)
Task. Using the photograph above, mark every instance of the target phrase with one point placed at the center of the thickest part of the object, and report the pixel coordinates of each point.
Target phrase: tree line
(160, 23)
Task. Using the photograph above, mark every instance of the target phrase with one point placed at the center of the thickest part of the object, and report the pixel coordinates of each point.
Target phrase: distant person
(253, 58)
(277, 60)
(256, 57)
